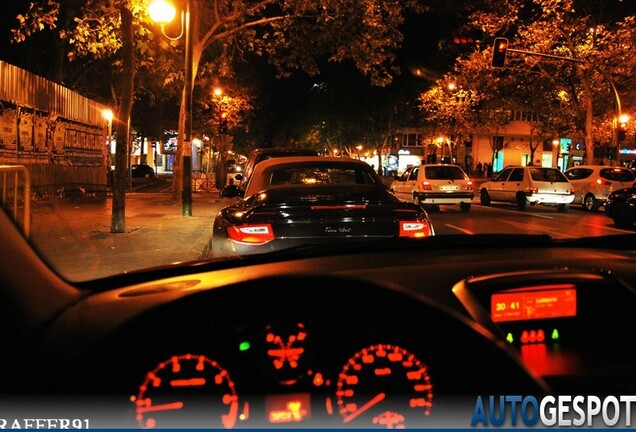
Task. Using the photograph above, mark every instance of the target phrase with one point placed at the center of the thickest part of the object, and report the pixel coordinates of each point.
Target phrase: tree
(601, 45)
(101, 30)
(364, 31)
(451, 110)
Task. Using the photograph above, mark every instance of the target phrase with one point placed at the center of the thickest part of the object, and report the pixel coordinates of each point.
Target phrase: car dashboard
(406, 338)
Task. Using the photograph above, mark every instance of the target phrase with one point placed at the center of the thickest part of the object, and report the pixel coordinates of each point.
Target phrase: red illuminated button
(524, 337)
(540, 336)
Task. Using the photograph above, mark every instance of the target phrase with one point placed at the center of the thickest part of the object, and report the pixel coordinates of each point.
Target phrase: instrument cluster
(285, 376)
(294, 352)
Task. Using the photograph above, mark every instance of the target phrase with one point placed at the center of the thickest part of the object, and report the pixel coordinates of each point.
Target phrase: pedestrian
(478, 169)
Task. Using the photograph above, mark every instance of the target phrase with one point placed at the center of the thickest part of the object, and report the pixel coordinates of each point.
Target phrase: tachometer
(190, 389)
(384, 386)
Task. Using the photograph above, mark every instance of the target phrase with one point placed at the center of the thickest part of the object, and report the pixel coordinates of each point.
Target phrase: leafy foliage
(575, 91)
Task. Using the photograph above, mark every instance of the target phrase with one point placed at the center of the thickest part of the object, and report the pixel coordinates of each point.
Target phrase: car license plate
(449, 187)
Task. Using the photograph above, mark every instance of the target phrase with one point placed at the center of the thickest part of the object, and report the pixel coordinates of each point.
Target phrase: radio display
(556, 301)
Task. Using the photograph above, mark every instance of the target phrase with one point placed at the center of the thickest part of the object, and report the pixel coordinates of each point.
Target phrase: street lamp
(163, 12)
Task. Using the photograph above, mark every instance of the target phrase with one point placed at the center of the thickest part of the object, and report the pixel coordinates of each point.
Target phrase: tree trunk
(589, 116)
(185, 135)
(118, 219)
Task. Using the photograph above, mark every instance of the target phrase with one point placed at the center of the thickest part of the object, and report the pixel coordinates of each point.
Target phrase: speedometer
(384, 386)
(190, 388)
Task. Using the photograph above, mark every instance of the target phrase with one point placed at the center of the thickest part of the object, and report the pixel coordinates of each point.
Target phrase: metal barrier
(15, 190)
(203, 182)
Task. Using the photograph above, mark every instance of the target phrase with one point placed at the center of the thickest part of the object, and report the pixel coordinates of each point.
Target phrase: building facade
(59, 135)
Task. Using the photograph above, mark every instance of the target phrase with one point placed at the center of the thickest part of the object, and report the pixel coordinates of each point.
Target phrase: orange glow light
(390, 420)
(246, 412)
(284, 352)
(229, 419)
(414, 229)
(187, 382)
(329, 406)
(251, 234)
(318, 380)
(382, 371)
(526, 304)
(287, 408)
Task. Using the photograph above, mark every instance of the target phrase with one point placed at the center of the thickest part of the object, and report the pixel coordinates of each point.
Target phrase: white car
(594, 183)
(435, 184)
(527, 186)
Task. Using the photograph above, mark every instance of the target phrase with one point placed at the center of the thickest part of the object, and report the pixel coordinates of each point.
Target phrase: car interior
(397, 333)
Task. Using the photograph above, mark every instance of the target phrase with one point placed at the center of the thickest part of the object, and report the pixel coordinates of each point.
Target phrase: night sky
(283, 101)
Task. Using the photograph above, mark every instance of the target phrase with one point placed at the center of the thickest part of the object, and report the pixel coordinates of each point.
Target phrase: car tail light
(426, 185)
(251, 234)
(469, 185)
(532, 190)
(417, 229)
(601, 182)
(572, 191)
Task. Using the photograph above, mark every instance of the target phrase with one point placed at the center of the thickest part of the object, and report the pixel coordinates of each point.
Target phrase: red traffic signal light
(499, 49)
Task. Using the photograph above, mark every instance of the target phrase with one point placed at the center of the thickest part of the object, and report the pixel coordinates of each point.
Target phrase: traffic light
(499, 49)
(223, 118)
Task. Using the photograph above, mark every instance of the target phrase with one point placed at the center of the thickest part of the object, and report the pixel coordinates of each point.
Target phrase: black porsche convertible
(299, 200)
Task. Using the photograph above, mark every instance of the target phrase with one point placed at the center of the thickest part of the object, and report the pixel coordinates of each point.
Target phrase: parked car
(142, 171)
(528, 186)
(621, 207)
(259, 155)
(296, 201)
(593, 183)
(435, 184)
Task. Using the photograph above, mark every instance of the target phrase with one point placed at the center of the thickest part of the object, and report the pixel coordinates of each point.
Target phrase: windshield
(317, 214)
(547, 175)
(444, 173)
(125, 173)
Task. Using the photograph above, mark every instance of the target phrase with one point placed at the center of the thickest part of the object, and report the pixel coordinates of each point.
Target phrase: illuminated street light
(163, 12)
(218, 91)
(108, 115)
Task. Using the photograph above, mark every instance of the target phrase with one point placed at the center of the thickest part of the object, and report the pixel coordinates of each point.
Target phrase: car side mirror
(230, 191)
(238, 177)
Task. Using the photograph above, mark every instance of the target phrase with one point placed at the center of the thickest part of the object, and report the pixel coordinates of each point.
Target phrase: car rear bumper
(545, 198)
(445, 197)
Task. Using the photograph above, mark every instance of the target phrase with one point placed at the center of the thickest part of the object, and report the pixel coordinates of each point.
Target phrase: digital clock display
(537, 303)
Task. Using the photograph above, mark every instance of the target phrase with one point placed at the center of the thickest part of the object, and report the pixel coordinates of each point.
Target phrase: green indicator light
(555, 334)
(244, 346)
(509, 338)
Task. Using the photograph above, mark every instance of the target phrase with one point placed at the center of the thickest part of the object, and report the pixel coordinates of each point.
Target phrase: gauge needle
(162, 407)
(378, 398)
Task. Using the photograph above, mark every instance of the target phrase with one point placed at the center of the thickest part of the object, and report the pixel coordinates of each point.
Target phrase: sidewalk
(74, 236)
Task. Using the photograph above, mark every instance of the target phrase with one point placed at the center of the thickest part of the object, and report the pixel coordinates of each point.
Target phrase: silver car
(527, 186)
(594, 183)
